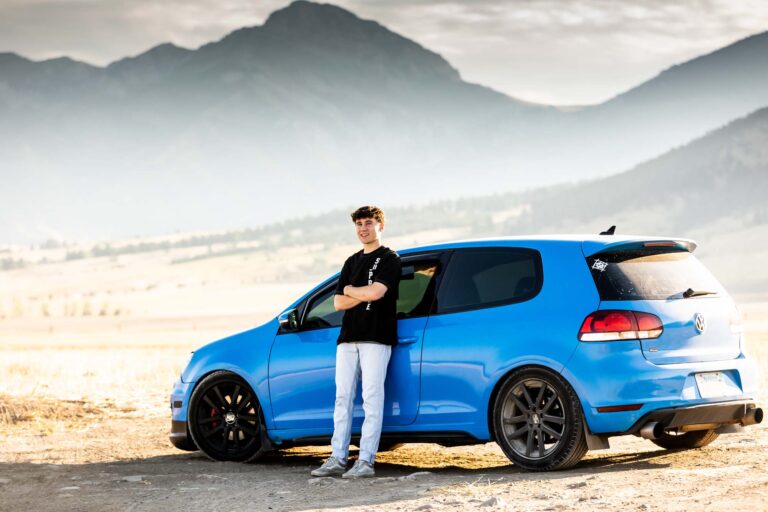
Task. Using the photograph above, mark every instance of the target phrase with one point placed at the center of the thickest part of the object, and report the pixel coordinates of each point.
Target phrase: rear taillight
(618, 325)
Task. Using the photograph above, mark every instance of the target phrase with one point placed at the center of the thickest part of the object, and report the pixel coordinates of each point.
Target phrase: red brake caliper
(215, 423)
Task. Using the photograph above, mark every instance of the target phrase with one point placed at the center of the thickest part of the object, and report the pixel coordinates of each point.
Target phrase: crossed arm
(354, 295)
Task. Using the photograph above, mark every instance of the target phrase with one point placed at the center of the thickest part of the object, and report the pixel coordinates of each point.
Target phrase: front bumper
(179, 435)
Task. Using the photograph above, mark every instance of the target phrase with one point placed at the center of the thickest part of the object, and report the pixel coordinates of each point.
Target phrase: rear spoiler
(591, 248)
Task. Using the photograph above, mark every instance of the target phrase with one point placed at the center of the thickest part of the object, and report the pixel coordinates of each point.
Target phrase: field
(84, 411)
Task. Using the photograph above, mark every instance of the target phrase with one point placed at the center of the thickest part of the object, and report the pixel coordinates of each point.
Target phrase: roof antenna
(611, 230)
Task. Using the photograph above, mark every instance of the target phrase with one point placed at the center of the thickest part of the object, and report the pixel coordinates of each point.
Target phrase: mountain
(313, 108)
(679, 104)
(241, 131)
(721, 176)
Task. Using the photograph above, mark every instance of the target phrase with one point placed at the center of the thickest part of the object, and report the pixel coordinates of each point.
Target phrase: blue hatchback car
(546, 345)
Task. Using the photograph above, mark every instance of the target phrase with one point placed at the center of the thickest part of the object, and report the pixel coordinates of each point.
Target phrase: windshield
(650, 274)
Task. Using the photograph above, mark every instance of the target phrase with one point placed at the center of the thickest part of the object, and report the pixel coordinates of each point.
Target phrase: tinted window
(489, 277)
(646, 274)
(416, 295)
(321, 313)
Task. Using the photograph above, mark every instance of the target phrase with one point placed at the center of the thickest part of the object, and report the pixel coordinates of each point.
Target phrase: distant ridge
(721, 175)
(746, 57)
(683, 102)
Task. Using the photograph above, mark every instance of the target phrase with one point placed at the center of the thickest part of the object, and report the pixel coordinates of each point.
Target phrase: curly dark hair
(368, 212)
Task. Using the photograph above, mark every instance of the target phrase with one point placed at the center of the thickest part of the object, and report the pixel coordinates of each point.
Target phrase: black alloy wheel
(685, 440)
(538, 421)
(225, 419)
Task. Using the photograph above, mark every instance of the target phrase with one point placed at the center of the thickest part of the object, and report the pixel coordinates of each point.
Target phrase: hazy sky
(549, 51)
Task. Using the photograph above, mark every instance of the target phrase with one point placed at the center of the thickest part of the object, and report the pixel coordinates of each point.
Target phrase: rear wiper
(690, 292)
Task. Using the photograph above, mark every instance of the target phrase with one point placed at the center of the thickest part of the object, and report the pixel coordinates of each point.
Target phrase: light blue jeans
(353, 360)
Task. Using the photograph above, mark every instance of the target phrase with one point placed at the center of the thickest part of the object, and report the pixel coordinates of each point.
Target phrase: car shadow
(280, 481)
(651, 459)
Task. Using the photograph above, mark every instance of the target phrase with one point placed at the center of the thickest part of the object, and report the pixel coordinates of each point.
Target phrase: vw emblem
(700, 323)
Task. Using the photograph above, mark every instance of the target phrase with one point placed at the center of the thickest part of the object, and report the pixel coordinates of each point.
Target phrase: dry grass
(20, 409)
(131, 376)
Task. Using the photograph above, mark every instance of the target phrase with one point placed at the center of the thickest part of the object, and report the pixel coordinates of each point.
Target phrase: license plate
(714, 385)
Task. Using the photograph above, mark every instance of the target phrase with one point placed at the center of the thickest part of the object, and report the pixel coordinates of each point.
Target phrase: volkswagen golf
(548, 346)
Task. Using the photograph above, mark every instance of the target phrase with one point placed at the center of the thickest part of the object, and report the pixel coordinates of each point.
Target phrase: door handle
(408, 340)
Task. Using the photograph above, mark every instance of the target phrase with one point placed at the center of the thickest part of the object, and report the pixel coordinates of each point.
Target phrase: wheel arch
(235, 370)
(265, 443)
(569, 447)
(503, 378)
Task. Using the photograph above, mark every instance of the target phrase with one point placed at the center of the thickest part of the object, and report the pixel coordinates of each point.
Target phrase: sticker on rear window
(600, 265)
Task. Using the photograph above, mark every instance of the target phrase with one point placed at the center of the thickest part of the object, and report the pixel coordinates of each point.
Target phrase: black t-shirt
(374, 321)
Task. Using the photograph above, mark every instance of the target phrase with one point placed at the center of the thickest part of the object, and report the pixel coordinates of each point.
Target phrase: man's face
(368, 230)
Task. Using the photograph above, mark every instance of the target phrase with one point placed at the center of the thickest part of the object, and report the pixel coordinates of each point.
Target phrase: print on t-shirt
(370, 279)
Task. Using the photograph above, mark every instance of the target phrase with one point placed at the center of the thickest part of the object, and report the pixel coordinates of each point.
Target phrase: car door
(302, 362)
(485, 317)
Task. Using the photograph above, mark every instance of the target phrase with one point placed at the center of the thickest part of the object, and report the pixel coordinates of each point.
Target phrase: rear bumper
(738, 412)
(616, 374)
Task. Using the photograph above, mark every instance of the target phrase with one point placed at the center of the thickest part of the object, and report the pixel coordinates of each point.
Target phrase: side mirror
(407, 272)
(289, 320)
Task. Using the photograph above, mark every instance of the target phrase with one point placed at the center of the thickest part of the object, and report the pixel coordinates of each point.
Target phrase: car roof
(590, 243)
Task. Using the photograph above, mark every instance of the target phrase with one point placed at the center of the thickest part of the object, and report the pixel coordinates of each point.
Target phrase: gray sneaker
(331, 467)
(361, 469)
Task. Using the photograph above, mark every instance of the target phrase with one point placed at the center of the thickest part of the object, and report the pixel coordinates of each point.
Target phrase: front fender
(245, 354)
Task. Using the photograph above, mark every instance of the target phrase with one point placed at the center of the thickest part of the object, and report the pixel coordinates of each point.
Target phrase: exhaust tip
(651, 430)
(753, 416)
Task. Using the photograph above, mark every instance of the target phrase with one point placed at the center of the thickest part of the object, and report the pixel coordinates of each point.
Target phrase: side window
(416, 293)
(321, 313)
(479, 278)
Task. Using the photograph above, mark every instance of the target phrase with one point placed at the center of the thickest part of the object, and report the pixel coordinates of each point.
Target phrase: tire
(538, 421)
(686, 440)
(221, 430)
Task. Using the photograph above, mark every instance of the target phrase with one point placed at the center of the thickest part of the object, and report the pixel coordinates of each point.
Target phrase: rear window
(646, 274)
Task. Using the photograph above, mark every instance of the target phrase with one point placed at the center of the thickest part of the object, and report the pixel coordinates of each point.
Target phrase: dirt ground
(84, 421)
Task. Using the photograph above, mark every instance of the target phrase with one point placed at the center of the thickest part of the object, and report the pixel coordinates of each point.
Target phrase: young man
(367, 291)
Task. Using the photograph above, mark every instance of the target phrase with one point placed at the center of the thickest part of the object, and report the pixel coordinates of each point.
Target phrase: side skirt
(442, 438)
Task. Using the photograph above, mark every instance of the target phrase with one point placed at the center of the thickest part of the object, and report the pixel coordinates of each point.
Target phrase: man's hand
(343, 302)
(369, 293)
